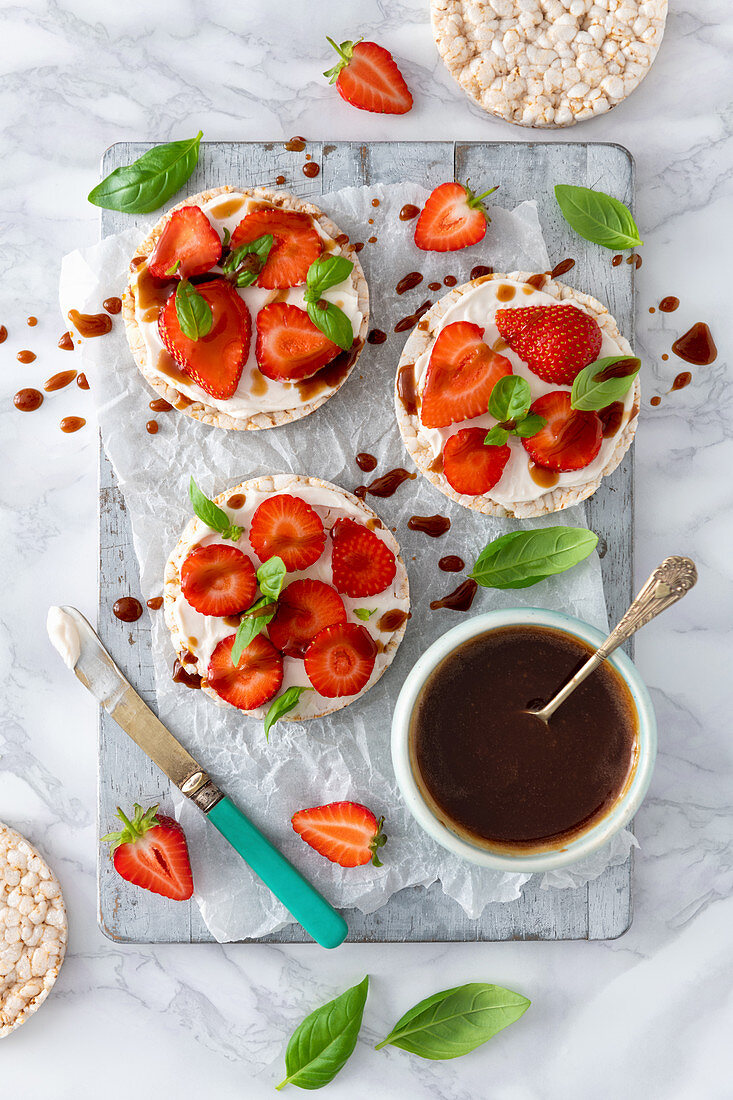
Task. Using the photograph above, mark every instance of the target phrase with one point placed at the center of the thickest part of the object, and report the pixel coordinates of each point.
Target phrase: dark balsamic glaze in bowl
(500, 777)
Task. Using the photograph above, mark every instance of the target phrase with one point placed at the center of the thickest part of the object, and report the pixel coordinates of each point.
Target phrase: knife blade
(95, 669)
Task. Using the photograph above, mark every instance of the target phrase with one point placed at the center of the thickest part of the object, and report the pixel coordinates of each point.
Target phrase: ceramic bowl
(585, 843)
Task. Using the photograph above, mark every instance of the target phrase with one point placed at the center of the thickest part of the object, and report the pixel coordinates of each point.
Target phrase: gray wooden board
(600, 910)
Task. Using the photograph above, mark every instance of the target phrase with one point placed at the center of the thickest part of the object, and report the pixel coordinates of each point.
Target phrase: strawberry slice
(151, 851)
(295, 247)
(366, 76)
(555, 342)
(361, 564)
(289, 346)
(218, 580)
(452, 218)
(462, 372)
(287, 527)
(189, 241)
(340, 659)
(469, 465)
(257, 677)
(570, 439)
(304, 608)
(215, 361)
(347, 833)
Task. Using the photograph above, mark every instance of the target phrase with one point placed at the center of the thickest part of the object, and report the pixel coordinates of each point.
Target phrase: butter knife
(96, 670)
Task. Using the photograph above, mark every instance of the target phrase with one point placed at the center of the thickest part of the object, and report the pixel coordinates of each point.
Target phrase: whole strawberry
(368, 78)
(555, 342)
(150, 851)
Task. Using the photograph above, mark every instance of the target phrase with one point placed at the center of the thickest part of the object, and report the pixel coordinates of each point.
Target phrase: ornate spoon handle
(668, 583)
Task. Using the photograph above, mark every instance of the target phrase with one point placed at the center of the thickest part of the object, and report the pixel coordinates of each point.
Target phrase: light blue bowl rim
(585, 844)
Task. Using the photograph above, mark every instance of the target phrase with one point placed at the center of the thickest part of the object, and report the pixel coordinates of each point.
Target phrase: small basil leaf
(148, 182)
(263, 608)
(245, 263)
(324, 1042)
(496, 437)
(193, 311)
(510, 398)
(456, 1021)
(226, 238)
(211, 514)
(325, 272)
(248, 629)
(522, 558)
(173, 268)
(590, 393)
(597, 216)
(529, 425)
(270, 577)
(364, 613)
(282, 706)
(332, 322)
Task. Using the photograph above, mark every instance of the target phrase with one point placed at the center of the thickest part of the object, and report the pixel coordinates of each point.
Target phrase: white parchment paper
(346, 755)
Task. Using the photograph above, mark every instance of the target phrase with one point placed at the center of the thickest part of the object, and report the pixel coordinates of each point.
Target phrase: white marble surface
(646, 1016)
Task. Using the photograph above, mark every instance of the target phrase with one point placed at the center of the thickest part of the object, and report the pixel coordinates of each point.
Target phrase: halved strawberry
(189, 241)
(257, 677)
(151, 851)
(294, 249)
(452, 218)
(570, 439)
(304, 608)
(218, 580)
(555, 342)
(469, 465)
(462, 372)
(367, 77)
(512, 321)
(347, 833)
(289, 346)
(361, 563)
(286, 527)
(215, 361)
(340, 659)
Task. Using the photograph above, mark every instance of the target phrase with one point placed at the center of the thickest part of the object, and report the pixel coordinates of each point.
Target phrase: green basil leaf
(590, 394)
(332, 322)
(263, 608)
(364, 613)
(244, 264)
(529, 425)
(173, 268)
(523, 558)
(325, 272)
(226, 238)
(211, 514)
(193, 311)
(248, 629)
(324, 1042)
(456, 1021)
(597, 216)
(270, 577)
(283, 705)
(147, 183)
(496, 437)
(510, 398)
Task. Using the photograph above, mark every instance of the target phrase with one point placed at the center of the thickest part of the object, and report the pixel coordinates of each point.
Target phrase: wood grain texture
(600, 910)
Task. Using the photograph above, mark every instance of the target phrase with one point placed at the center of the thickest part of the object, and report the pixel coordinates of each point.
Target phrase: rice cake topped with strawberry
(515, 395)
(297, 581)
(246, 309)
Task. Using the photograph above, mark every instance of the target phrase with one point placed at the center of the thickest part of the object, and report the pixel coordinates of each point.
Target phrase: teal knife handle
(320, 920)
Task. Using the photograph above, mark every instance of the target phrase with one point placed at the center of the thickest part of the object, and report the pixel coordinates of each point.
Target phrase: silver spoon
(669, 582)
